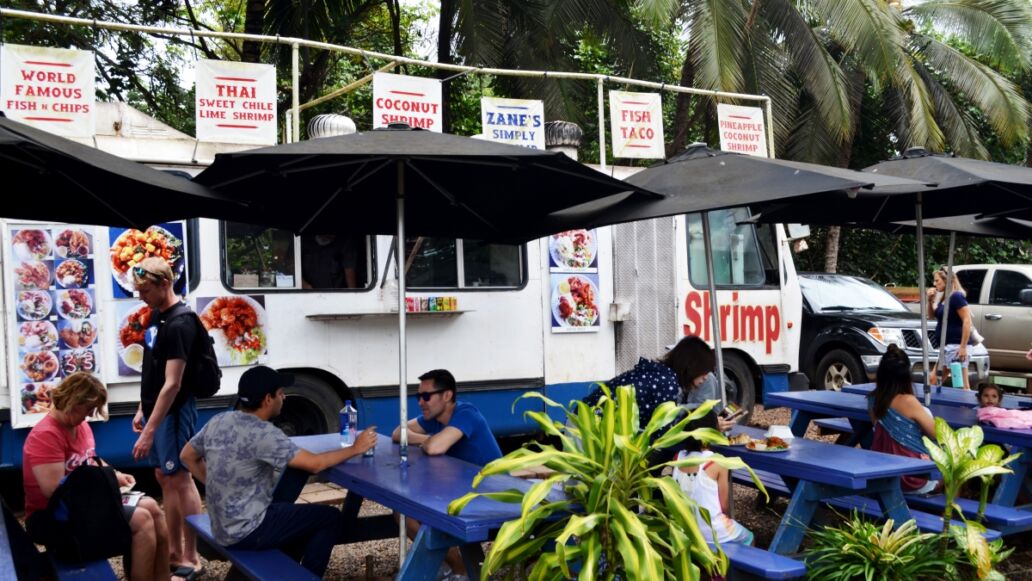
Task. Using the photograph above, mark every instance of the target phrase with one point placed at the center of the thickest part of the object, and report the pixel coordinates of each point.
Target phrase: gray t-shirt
(245, 457)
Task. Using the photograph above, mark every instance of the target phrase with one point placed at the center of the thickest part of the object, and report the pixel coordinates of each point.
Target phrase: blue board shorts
(172, 435)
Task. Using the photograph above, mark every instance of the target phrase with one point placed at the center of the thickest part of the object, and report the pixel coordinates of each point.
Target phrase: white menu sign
(236, 102)
(742, 129)
(49, 88)
(636, 124)
(513, 121)
(415, 101)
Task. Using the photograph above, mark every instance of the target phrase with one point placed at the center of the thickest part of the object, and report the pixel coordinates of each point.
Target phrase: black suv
(848, 323)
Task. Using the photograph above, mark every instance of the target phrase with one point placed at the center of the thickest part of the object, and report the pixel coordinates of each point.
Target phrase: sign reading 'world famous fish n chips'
(636, 124)
(742, 129)
(414, 101)
(49, 88)
(236, 102)
(513, 121)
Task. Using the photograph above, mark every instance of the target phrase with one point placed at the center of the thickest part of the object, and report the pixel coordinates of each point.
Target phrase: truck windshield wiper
(838, 308)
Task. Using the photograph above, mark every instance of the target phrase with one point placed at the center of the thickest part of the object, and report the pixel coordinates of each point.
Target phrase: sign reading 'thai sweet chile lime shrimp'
(414, 101)
(236, 102)
(636, 124)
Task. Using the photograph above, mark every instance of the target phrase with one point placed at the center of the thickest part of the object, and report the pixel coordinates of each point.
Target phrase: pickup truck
(849, 322)
(1000, 298)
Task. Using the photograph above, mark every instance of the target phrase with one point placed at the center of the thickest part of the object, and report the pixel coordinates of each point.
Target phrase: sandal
(186, 572)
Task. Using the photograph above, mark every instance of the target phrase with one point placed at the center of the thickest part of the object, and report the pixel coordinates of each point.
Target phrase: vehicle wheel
(310, 407)
(739, 384)
(839, 368)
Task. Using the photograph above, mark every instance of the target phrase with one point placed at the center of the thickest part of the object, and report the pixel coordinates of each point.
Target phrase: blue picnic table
(422, 489)
(816, 471)
(949, 396)
(811, 405)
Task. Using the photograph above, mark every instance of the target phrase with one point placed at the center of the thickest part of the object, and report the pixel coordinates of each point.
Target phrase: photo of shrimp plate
(78, 334)
(573, 248)
(72, 243)
(237, 326)
(71, 273)
(32, 275)
(74, 303)
(31, 243)
(78, 360)
(131, 332)
(132, 246)
(37, 336)
(34, 305)
(574, 301)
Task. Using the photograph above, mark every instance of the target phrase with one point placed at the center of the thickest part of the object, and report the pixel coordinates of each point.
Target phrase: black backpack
(202, 377)
(87, 521)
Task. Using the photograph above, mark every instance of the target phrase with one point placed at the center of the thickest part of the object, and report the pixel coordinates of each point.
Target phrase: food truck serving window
(259, 257)
(437, 263)
(737, 260)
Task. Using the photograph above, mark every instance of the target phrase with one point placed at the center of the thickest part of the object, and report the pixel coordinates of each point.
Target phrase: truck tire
(739, 383)
(311, 407)
(839, 368)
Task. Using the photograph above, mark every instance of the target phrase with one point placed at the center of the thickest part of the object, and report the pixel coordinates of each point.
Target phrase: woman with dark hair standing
(900, 421)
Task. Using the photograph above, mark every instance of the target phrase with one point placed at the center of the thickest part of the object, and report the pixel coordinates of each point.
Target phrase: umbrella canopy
(454, 186)
(967, 225)
(88, 186)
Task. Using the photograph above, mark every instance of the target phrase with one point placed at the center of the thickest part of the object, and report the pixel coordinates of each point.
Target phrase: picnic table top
(948, 396)
(825, 463)
(424, 487)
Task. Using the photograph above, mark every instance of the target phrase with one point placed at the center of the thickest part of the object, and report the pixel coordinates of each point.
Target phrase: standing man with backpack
(167, 416)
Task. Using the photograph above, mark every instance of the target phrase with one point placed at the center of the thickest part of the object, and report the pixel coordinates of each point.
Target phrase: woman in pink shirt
(62, 441)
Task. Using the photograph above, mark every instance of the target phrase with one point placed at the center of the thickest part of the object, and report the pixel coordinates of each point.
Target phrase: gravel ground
(379, 559)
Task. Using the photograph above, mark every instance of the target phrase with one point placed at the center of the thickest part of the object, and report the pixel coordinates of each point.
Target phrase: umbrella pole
(715, 313)
(402, 355)
(946, 308)
(924, 299)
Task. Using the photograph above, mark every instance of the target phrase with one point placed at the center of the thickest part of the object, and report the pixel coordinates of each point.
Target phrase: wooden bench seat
(258, 565)
(756, 562)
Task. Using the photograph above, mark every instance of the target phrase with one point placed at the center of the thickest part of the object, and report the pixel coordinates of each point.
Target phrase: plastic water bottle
(957, 374)
(347, 434)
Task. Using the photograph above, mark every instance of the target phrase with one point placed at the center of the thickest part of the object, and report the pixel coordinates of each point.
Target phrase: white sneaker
(444, 573)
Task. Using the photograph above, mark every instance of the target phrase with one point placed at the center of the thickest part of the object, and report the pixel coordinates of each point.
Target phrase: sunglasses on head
(426, 395)
(141, 272)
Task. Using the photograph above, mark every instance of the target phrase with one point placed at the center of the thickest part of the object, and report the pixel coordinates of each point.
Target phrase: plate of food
(574, 301)
(72, 273)
(78, 360)
(573, 248)
(37, 336)
(237, 325)
(41, 366)
(35, 398)
(132, 246)
(32, 275)
(73, 243)
(74, 303)
(771, 444)
(739, 440)
(131, 332)
(34, 305)
(77, 334)
(31, 244)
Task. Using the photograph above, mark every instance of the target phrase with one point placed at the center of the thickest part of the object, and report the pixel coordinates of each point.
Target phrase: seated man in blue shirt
(447, 426)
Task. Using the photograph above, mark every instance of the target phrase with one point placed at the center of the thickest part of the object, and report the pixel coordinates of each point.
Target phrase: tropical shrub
(616, 518)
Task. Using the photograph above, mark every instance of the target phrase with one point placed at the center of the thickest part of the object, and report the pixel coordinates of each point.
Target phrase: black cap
(257, 382)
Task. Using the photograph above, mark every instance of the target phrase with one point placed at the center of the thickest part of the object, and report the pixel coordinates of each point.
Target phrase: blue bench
(1007, 520)
(763, 564)
(256, 565)
(92, 571)
(834, 425)
(866, 506)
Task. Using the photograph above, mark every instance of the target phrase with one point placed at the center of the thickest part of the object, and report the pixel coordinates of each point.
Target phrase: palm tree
(826, 62)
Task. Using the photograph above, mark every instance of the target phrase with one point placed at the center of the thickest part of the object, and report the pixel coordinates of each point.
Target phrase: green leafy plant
(863, 550)
(616, 516)
(982, 556)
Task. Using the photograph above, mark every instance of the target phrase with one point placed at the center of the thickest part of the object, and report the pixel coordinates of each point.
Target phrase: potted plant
(616, 518)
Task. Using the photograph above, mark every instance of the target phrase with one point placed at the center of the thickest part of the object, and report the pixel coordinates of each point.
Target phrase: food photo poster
(53, 327)
(238, 325)
(573, 251)
(129, 246)
(575, 302)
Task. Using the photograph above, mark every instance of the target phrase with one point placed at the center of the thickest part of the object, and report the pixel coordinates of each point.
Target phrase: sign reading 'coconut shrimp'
(513, 121)
(50, 88)
(742, 130)
(414, 101)
(636, 124)
(236, 102)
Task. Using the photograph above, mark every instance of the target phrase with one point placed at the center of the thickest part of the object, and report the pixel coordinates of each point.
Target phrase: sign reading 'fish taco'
(414, 101)
(236, 102)
(50, 88)
(637, 124)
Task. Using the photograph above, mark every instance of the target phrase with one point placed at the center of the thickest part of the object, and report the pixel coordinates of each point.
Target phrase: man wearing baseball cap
(242, 459)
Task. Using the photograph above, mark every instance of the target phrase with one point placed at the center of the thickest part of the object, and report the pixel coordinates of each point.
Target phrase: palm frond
(769, 68)
(1000, 29)
(716, 42)
(957, 123)
(924, 130)
(810, 140)
(869, 31)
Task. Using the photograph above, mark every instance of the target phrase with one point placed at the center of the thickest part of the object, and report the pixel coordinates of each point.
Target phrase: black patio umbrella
(65, 181)
(398, 180)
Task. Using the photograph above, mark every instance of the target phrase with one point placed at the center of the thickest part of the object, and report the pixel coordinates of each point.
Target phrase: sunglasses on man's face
(426, 395)
(141, 272)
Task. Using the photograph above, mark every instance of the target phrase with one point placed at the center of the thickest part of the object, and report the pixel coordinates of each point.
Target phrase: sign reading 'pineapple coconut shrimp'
(414, 101)
(50, 88)
(742, 130)
(513, 121)
(236, 102)
(636, 124)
